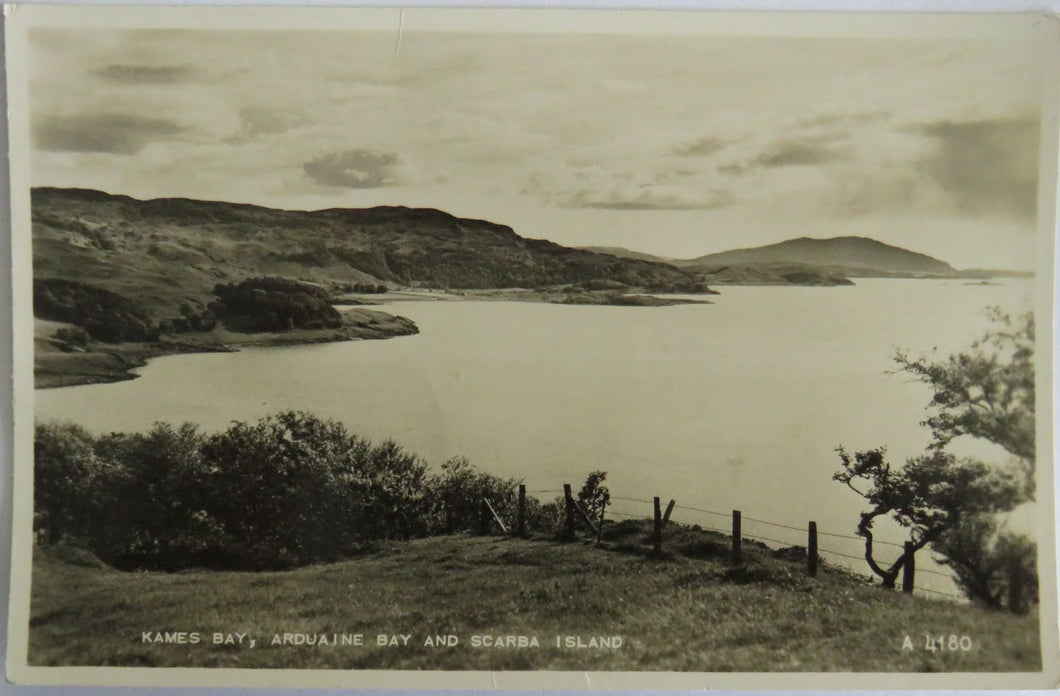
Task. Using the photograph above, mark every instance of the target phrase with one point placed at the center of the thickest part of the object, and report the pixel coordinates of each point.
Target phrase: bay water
(736, 404)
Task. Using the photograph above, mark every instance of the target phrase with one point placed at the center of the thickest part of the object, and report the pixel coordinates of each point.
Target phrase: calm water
(736, 404)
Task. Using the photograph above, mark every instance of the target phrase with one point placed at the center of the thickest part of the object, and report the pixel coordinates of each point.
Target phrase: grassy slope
(688, 612)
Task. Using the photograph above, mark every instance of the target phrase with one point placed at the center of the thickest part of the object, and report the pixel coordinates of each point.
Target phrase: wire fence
(696, 516)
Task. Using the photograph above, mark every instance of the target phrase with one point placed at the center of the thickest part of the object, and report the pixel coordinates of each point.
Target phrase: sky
(674, 145)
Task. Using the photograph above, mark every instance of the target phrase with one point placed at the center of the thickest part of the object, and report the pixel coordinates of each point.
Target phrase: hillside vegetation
(348, 537)
(167, 251)
(690, 611)
(773, 274)
(288, 490)
(134, 279)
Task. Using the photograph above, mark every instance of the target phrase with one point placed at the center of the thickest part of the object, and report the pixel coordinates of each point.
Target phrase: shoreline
(105, 363)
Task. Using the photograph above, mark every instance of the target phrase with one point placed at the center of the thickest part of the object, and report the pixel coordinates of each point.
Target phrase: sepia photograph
(352, 345)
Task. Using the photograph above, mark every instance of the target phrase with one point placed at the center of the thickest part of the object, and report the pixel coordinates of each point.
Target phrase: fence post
(600, 525)
(1015, 587)
(483, 518)
(585, 517)
(908, 568)
(496, 517)
(656, 536)
(568, 525)
(811, 550)
(669, 509)
(737, 535)
(520, 526)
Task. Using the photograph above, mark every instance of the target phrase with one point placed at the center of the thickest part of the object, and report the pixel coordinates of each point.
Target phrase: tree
(290, 489)
(70, 483)
(457, 494)
(162, 518)
(990, 563)
(594, 497)
(984, 392)
(930, 495)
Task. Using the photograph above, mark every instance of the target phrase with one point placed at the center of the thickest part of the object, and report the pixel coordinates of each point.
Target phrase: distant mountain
(851, 256)
(167, 251)
(624, 253)
(772, 274)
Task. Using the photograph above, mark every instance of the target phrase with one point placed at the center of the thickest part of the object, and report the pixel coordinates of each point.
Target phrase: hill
(624, 253)
(772, 274)
(132, 279)
(853, 256)
(690, 611)
(168, 251)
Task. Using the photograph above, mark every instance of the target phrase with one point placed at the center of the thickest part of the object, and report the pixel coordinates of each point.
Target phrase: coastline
(106, 363)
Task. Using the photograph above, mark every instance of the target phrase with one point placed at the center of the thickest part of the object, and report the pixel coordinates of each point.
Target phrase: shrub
(72, 336)
(73, 488)
(106, 316)
(594, 497)
(287, 490)
(457, 496)
(294, 489)
(366, 288)
(274, 304)
(993, 566)
(162, 518)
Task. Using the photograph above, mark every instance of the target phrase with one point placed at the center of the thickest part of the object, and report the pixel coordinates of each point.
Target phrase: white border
(676, 22)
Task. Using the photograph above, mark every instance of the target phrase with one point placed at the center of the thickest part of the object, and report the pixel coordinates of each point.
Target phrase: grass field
(690, 611)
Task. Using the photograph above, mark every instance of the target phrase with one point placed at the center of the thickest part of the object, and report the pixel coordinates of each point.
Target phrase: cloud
(843, 119)
(357, 169)
(257, 122)
(651, 198)
(146, 74)
(653, 183)
(802, 152)
(122, 134)
(702, 147)
(987, 166)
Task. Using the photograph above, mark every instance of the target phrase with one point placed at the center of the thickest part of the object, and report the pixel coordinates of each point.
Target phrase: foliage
(274, 304)
(72, 487)
(160, 514)
(594, 497)
(457, 495)
(366, 288)
(985, 392)
(72, 337)
(296, 489)
(992, 565)
(288, 490)
(929, 495)
(106, 316)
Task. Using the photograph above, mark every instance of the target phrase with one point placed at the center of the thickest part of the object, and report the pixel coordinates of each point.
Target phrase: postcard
(532, 348)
